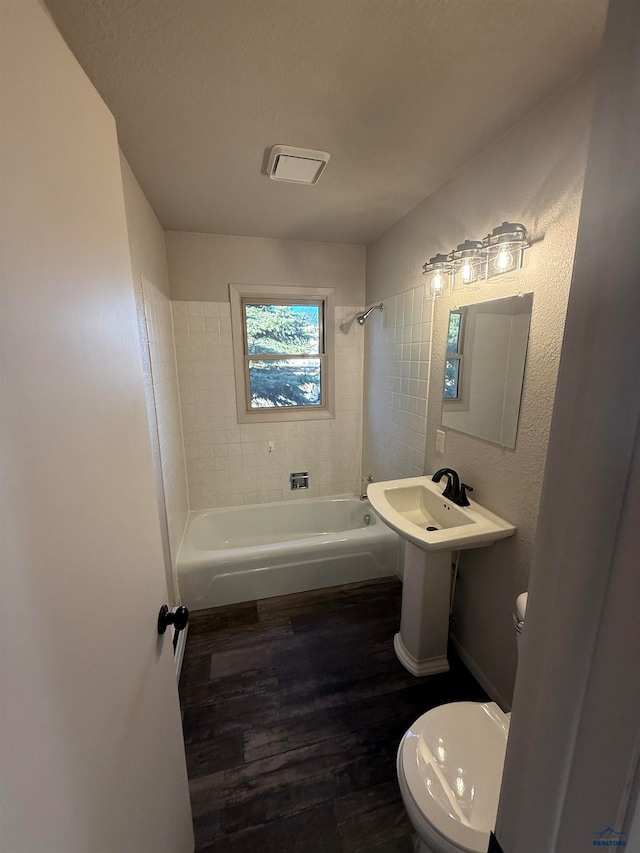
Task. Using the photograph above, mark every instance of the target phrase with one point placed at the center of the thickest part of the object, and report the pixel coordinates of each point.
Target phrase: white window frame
(273, 295)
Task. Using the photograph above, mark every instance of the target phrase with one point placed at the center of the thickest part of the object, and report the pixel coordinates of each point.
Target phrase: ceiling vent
(298, 165)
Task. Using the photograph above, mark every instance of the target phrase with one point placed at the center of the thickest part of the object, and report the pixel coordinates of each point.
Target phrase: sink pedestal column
(421, 645)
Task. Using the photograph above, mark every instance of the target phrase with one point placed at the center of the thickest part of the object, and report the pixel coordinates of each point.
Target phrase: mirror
(484, 368)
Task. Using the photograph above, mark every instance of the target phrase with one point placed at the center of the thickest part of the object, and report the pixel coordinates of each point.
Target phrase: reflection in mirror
(484, 368)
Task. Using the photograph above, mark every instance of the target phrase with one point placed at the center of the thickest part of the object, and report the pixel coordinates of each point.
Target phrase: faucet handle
(451, 489)
(463, 500)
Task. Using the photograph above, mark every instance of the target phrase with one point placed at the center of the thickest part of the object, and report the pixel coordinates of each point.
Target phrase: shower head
(362, 317)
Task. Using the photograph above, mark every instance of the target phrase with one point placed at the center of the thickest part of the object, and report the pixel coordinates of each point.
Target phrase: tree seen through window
(284, 347)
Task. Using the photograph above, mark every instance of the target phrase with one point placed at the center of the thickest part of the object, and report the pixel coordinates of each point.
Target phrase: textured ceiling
(401, 93)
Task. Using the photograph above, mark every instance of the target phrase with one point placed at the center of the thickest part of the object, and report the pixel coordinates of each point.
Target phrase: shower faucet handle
(367, 480)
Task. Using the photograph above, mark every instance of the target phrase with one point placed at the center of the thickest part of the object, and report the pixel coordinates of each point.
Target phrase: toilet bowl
(450, 770)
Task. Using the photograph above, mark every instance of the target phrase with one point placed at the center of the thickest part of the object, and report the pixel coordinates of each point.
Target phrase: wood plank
(307, 831)
(293, 709)
(217, 618)
(371, 818)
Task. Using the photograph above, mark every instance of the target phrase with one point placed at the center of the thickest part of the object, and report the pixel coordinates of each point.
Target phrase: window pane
(453, 339)
(451, 378)
(294, 382)
(282, 329)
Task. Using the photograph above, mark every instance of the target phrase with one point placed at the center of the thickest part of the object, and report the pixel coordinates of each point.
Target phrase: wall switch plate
(440, 436)
(272, 446)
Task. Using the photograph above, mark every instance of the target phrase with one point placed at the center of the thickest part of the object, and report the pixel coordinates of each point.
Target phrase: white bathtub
(249, 552)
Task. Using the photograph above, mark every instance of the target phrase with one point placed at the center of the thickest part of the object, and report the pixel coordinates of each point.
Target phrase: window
(283, 347)
(453, 363)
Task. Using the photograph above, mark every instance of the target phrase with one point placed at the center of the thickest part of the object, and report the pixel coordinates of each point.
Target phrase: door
(92, 757)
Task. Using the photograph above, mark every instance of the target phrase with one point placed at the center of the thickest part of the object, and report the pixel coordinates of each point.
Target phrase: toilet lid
(452, 759)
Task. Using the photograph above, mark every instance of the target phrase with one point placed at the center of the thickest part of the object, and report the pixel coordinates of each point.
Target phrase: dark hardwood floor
(293, 709)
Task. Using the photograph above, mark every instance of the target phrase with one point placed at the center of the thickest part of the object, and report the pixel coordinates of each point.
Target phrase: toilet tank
(519, 615)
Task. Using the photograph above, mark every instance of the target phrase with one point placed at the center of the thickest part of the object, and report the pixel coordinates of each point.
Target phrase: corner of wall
(544, 158)
(155, 324)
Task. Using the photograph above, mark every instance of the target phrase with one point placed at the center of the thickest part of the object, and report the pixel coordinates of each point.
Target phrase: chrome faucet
(363, 496)
(454, 491)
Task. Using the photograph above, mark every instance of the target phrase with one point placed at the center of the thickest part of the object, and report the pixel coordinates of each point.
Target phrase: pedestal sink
(433, 528)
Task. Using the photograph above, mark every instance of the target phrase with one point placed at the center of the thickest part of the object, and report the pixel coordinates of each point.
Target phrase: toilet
(450, 769)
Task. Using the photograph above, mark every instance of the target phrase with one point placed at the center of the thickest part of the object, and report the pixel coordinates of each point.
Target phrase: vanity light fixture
(504, 248)
(500, 253)
(468, 262)
(439, 269)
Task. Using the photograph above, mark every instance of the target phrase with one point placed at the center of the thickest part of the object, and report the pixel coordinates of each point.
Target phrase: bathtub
(249, 552)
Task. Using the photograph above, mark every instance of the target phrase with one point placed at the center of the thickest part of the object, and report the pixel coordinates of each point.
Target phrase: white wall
(534, 175)
(397, 353)
(168, 419)
(151, 285)
(146, 237)
(91, 750)
(230, 464)
(202, 265)
(578, 686)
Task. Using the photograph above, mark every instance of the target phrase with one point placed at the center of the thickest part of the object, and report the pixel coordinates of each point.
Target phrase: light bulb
(466, 272)
(504, 260)
(437, 284)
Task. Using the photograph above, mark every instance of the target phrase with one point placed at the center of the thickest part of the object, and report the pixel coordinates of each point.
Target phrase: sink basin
(413, 505)
(433, 527)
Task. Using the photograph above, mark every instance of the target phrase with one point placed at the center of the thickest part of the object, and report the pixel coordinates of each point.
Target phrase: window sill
(281, 413)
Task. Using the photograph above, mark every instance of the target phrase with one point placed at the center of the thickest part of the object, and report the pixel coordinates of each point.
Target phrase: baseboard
(479, 675)
(178, 651)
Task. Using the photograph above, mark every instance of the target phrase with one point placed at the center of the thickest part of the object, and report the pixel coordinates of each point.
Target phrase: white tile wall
(397, 354)
(162, 356)
(229, 464)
